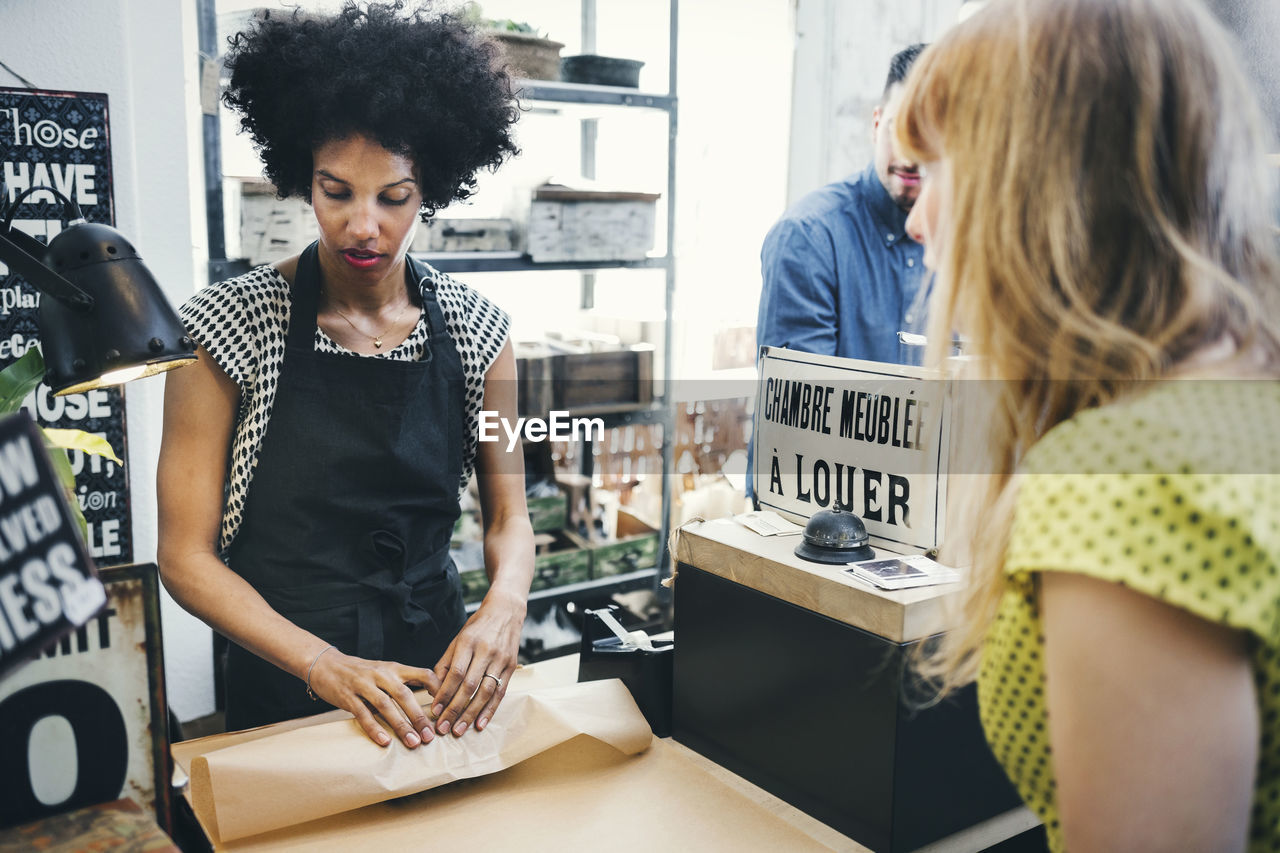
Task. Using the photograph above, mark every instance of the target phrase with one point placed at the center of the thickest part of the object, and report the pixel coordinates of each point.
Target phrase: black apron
(348, 519)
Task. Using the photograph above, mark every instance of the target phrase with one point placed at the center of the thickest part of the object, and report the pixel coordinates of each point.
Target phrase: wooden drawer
(568, 561)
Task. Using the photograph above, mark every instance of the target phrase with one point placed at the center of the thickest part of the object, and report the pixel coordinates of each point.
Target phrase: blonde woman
(1097, 213)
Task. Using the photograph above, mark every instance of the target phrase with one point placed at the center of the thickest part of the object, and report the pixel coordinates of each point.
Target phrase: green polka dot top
(1174, 494)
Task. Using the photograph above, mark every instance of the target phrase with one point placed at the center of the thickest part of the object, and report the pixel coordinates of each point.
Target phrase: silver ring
(495, 678)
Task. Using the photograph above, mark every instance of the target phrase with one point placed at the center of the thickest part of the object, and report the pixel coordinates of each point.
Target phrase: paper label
(768, 523)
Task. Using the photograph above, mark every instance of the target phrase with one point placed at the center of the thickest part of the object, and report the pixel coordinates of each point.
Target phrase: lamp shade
(129, 332)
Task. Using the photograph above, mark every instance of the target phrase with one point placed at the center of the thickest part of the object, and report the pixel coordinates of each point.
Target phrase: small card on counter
(766, 522)
(903, 572)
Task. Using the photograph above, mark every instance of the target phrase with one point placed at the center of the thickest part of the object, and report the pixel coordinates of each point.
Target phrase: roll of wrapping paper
(314, 771)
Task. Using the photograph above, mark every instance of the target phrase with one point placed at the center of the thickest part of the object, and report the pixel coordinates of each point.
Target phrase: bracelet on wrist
(314, 660)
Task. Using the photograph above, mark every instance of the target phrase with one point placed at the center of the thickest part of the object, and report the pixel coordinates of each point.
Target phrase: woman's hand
(476, 668)
(364, 687)
(488, 644)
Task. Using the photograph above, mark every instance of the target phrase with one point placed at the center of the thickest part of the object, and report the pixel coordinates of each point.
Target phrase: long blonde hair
(1107, 216)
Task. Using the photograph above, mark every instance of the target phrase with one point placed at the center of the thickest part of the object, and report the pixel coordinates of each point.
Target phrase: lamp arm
(20, 251)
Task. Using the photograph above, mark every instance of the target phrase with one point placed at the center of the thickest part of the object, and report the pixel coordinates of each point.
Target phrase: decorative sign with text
(87, 720)
(47, 581)
(861, 436)
(61, 140)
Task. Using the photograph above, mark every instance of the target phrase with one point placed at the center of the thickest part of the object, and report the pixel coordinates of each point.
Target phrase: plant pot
(530, 56)
(601, 70)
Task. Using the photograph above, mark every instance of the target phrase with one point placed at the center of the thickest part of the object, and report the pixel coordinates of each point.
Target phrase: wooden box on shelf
(475, 583)
(465, 235)
(635, 549)
(562, 558)
(566, 560)
(618, 378)
(581, 225)
(533, 373)
(549, 513)
(272, 228)
(584, 382)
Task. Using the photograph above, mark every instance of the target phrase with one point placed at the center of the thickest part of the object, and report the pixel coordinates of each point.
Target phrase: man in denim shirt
(841, 275)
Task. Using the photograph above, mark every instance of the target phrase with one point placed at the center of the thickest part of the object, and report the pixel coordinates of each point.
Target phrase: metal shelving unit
(581, 93)
(594, 103)
(465, 262)
(643, 579)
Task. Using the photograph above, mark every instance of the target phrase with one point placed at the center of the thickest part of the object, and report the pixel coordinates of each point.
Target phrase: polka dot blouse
(1174, 495)
(243, 321)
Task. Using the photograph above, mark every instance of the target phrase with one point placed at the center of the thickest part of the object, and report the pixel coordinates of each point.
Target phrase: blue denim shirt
(841, 278)
(841, 275)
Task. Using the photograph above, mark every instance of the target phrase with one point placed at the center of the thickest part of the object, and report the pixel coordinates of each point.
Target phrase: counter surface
(576, 796)
(768, 564)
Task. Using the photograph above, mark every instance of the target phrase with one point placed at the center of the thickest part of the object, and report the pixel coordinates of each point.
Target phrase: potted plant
(527, 52)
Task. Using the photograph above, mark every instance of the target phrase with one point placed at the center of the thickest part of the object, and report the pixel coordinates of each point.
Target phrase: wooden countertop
(564, 670)
(767, 564)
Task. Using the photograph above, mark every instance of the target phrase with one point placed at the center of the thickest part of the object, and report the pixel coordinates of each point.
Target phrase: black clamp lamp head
(107, 320)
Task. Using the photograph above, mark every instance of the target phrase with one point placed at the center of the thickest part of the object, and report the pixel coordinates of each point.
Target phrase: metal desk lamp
(107, 321)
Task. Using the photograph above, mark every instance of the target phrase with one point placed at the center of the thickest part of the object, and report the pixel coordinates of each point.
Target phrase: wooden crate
(465, 235)
(636, 548)
(573, 225)
(567, 561)
(586, 383)
(475, 583)
(602, 380)
(548, 514)
(533, 377)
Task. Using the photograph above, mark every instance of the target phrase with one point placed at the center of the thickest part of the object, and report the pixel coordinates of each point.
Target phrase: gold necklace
(377, 339)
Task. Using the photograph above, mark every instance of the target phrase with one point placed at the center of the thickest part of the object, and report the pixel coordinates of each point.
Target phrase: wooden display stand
(794, 677)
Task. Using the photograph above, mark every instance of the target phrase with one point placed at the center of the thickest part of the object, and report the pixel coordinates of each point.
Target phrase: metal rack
(662, 410)
(464, 262)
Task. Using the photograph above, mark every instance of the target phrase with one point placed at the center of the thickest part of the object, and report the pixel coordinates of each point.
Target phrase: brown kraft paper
(314, 771)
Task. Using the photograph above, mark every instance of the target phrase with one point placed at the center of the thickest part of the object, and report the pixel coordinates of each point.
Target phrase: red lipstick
(360, 258)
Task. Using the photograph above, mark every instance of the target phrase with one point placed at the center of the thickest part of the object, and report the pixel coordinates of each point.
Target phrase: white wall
(842, 57)
(143, 55)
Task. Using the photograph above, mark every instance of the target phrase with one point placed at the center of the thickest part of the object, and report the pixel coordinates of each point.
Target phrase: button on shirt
(841, 275)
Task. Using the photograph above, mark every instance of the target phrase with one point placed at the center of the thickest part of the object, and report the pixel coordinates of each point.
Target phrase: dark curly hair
(424, 86)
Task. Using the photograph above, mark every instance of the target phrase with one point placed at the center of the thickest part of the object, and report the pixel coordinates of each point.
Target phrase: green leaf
(78, 439)
(20, 379)
(62, 467)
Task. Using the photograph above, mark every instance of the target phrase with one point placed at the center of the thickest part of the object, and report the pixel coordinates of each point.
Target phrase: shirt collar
(891, 220)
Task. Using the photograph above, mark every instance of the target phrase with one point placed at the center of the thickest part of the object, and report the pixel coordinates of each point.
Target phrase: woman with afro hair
(312, 461)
